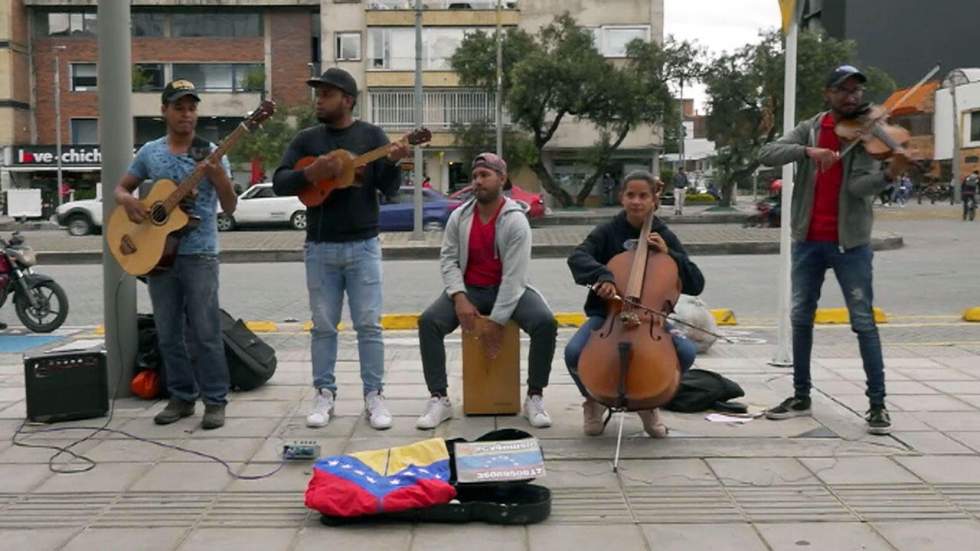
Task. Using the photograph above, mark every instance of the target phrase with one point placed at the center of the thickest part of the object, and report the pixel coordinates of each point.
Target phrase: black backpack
(251, 362)
(701, 390)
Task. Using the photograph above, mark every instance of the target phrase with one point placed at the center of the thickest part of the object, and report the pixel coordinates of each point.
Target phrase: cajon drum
(492, 387)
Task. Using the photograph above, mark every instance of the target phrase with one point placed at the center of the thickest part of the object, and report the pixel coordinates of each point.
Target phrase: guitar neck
(188, 184)
(374, 154)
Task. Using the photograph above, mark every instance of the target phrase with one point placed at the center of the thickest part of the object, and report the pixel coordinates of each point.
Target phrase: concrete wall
(967, 101)
(15, 92)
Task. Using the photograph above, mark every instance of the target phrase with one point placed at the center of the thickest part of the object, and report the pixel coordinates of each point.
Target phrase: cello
(630, 363)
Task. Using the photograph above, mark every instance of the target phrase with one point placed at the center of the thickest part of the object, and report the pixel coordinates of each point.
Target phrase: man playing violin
(342, 251)
(831, 221)
(485, 255)
(187, 293)
(640, 196)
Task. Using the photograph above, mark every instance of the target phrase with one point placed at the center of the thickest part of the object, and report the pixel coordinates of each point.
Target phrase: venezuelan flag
(378, 481)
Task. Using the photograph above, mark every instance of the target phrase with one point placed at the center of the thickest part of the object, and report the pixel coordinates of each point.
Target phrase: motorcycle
(41, 303)
(764, 216)
(935, 192)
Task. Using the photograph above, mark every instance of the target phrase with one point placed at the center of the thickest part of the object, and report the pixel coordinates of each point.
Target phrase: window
(147, 129)
(222, 24)
(148, 77)
(67, 24)
(84, 131)
(83, 77)
(975, 126)
(611, 41)
(394, 48)
(265, 192)
(214, 129)
(148, 24)
(222, 77)
(348, 47)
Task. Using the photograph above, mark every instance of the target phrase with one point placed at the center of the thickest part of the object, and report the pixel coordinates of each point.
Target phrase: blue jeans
(686, 350)
(189, 292)
(852, 267)
(332, 268)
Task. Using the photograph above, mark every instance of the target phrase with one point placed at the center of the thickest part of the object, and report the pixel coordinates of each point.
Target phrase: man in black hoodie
(342, 250)
(640, 196)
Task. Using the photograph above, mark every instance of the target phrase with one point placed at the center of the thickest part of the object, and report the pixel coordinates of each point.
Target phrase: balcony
(441, 109)
(441, 5)
(441, 13)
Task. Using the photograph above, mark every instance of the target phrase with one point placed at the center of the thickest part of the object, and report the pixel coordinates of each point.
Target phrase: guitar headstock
(419, 136)
(261, 114)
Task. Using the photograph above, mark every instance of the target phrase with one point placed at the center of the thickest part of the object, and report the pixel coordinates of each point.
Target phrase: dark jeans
(189, 292)
(532, 315)
(852, 267)
(686, 350)
(969, 203)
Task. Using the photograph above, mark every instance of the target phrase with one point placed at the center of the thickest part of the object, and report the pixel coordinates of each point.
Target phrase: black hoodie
(588, 261)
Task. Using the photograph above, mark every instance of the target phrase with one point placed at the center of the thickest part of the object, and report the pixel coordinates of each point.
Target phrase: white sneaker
(378, 415)
(437, 410)
(534, 412)
(322, 409)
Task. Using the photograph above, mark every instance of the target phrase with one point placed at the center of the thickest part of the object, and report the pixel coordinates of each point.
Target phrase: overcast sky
(719, 25)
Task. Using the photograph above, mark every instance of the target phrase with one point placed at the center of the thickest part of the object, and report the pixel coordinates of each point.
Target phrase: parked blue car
(397, 212)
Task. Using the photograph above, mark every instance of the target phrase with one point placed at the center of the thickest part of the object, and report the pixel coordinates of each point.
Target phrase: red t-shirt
(826, 193)
(483, 267)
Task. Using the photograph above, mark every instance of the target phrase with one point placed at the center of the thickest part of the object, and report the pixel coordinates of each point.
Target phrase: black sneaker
(791, 407)
(214, 416)
(879, 422)
(175, 411)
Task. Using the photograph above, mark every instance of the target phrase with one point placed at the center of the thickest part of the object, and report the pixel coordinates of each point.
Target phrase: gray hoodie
(512, 244)
(863, 179)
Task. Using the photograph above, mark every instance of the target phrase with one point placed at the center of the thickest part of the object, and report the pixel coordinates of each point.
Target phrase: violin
(630, 362)
(870, 128)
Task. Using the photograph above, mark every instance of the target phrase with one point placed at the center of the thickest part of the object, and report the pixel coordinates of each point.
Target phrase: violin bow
(636, 304)
(900, 101)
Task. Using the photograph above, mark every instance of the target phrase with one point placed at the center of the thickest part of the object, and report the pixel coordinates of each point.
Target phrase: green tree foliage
(480, 136)
(745, 97)
(268, 143)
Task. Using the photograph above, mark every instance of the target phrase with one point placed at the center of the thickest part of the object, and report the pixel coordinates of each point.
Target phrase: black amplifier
(66, 385)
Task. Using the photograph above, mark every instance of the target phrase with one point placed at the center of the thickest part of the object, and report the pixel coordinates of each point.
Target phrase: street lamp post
(57, 116)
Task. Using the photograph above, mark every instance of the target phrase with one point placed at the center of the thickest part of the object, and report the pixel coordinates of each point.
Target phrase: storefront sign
(46, 155)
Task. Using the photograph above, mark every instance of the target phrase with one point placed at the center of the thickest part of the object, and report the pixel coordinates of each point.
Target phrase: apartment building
(236, 52)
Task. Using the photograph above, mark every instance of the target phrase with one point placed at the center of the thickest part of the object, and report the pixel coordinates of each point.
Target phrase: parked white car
(81, 217)
(259, 204)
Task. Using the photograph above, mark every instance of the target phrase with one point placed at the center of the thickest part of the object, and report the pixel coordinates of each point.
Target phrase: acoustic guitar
(152, 244)
(317, 192)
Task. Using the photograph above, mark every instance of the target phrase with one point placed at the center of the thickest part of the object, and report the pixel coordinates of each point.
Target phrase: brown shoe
(652, 424)
(592, 413)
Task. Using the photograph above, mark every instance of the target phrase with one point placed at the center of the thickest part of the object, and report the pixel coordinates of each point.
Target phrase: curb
(972, 314)
(834, 316)
(430, 252)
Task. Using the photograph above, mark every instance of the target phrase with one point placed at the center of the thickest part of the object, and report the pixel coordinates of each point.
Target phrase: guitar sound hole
(158, 214)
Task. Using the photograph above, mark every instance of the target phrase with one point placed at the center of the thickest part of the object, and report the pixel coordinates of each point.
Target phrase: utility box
(24, 203)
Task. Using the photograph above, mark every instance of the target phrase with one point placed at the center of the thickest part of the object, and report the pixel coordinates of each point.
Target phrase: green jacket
(863, 179)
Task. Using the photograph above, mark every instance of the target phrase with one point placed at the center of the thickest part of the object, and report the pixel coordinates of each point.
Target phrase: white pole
(417, 195)
(784, 356)
(57, 119)
(498, 99)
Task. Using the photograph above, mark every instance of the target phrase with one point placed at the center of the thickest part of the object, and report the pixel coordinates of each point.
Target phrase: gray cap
(842, 73)
(338, 78)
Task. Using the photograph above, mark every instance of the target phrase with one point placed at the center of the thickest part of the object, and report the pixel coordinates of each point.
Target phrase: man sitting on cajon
(484, 260)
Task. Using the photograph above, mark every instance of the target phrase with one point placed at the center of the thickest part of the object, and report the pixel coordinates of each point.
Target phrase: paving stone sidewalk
(816, 482)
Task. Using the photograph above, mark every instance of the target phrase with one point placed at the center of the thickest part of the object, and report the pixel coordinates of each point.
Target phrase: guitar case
(507, 503)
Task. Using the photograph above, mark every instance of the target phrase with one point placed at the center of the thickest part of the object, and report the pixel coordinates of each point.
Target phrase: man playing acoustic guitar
(188, 291)
(342, 249)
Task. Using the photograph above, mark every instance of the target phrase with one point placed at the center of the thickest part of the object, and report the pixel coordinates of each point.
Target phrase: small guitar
(142, 248)
(317, 192)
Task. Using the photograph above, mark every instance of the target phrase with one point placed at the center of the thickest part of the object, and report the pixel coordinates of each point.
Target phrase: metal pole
(417, 195)
(115, 96)
(683, 134)
(783, 355)
(957, 141)
(57, 118)
(498, 98)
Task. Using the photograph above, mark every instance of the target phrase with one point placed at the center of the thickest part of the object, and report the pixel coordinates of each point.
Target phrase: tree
(745, 97)
(554, 74)
(480, 136)
(268, 143)
(638, 93)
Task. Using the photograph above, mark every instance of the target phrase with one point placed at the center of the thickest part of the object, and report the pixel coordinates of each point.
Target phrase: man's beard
(487, 200)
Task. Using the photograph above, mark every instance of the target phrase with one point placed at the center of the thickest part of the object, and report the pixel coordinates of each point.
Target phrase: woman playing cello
(640, 197)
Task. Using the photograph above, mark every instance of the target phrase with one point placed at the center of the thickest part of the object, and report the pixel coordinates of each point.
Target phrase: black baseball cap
(844, 72)
(177, 89)
(338, 78)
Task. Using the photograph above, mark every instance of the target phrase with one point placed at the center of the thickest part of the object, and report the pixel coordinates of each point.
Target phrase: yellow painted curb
(100, 329)
(972, 314)
(829, 316)
(570, 319)
(400, 321)
(308, 326)
(262, 326)
(724, 316)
